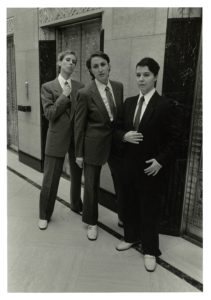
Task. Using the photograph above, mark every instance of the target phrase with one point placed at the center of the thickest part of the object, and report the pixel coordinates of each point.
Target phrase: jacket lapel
(117, 94)
(99, 101)
(131, 111)
(57, 90)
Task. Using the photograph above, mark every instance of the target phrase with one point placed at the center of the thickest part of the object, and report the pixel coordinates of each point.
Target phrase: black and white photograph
(104, 155)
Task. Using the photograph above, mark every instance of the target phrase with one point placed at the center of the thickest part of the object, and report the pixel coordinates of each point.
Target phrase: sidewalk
(62, 259)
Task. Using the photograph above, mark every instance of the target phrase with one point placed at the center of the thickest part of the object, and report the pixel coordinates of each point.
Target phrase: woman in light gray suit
(58, 100)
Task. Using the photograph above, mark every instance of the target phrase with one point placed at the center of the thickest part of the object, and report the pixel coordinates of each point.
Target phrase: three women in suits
(58, 101)
(97, 110)
(144, 125)
(150, 135)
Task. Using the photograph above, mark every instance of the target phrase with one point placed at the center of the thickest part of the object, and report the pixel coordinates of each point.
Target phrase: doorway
(82, 38)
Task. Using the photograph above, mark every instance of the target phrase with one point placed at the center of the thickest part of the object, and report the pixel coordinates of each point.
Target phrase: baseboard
(107, 200)
(30, 161)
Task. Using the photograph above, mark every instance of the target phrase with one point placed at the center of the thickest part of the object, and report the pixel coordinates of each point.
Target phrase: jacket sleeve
(81, 115)
(53, 109)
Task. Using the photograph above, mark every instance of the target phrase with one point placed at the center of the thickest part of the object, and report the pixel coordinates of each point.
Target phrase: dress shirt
(101, 88)
(62, 81)
(147, 98)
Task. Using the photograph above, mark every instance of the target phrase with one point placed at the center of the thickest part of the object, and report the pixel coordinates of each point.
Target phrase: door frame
(14, 89)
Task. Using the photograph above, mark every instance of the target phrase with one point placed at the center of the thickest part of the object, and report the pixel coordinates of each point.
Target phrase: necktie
(68, 109)
(66, 83)
(138, 113)
(111, 102)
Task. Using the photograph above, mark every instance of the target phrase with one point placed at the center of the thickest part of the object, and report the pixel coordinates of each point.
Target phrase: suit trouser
(141, 217)
(52, 172)
(116, 166)
(75, 188)
(91, 193)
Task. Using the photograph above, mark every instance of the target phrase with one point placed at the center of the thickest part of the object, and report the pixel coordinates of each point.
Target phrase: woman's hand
(154, 168)
(133, 137)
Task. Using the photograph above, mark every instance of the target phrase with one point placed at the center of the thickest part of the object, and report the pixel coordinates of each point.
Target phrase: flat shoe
(92, 232)
(149, 262)
(124, 246)
(42, 224)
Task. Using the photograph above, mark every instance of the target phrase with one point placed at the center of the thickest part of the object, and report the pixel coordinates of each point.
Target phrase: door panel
(84, 39)
(71, 39)
(90, 44)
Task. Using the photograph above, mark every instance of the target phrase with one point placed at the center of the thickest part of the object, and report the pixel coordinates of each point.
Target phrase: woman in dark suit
(97, 109)
(58, 101)
(150, 135)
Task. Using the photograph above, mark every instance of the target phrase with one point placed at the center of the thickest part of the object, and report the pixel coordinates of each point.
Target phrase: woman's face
(145, 79)
(100, 69)
(68, 64)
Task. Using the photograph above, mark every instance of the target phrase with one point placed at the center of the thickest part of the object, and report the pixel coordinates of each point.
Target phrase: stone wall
(131, 34)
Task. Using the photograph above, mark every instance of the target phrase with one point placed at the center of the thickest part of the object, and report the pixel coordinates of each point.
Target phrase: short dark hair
(96, 54)
(150, 63)
(62, 54)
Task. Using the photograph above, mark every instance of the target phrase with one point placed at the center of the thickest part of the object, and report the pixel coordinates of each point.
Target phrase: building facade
(170, 35)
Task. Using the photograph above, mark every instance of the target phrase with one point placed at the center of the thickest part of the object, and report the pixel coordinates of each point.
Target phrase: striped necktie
(110, 101)
(68, 108)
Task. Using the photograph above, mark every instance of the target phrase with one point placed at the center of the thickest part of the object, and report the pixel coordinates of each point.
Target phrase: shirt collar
(62, 80)
(101, 86)
(147, 96)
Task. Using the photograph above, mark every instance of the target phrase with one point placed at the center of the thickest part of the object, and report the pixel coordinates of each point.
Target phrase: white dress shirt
(62, 81)
(147, 98)
(101, 88)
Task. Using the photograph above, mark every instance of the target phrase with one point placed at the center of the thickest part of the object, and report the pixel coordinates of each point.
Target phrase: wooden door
(12, 111)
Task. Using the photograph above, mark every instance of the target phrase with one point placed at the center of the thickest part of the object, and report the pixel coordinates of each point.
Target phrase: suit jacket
(160, 138)
(59, 110)
(93, 128)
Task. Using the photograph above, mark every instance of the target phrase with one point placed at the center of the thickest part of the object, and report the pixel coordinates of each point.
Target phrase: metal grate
(193, 194)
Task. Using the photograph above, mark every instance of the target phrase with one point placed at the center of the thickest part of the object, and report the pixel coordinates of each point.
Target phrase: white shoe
(92, 232)
(124, 246)
(150, 262)
(43, 224)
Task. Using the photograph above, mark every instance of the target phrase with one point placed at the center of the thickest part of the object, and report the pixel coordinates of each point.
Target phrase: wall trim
(30, 161)
(55, 16)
